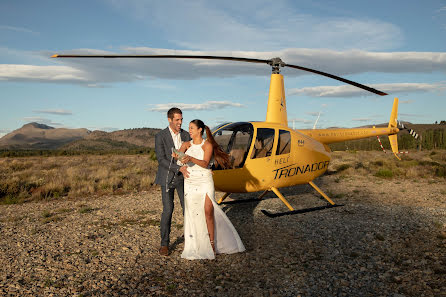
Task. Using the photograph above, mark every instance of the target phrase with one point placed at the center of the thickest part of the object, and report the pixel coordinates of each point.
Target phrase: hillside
(144, 137)
(39, 136)
(34, 136)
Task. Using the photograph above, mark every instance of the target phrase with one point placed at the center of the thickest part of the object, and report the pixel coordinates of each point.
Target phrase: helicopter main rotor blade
(276, 62)
(361, 86)
(167, 57)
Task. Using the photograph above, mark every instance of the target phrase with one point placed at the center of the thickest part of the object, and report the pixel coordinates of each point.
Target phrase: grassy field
(38, 177)
(34, 178)
(425, 164)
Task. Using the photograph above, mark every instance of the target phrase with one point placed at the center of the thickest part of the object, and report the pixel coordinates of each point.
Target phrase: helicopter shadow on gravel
(244, 209)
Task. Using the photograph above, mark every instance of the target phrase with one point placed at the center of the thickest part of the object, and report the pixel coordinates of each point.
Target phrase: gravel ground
(389, 239)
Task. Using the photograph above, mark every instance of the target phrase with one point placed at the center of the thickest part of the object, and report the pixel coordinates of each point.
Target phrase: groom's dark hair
(173, 111)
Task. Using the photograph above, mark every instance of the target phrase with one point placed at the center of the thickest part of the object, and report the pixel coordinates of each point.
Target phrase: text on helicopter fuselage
(291, 170)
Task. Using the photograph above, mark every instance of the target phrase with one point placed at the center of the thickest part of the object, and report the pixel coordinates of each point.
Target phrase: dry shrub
(146, 183)
(28, 178)
(412, 172)
(424, 164)
(384, 173)
(55, 177)
(342, 167)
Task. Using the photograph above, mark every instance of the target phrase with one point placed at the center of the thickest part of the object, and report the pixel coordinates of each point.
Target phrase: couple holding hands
(207, 229)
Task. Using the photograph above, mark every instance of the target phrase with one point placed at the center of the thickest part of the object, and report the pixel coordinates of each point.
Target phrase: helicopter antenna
(314, 126)
(276, 64)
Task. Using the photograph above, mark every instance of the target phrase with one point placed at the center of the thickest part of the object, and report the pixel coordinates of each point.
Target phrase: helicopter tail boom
(327, 136)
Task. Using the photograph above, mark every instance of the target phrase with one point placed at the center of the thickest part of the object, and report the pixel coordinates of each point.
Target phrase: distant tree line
(52, 153)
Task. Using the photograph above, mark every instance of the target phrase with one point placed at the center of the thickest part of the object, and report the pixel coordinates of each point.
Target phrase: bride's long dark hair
(220, 157)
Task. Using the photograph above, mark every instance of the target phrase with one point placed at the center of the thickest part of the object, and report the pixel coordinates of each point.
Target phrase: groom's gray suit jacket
(163, 149)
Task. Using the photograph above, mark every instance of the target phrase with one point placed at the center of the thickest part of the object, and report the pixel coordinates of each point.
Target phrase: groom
(170, 176)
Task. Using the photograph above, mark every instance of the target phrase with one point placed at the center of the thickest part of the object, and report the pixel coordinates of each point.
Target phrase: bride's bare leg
(209, 214)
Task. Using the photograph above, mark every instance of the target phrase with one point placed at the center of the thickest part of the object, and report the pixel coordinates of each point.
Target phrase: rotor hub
(276, 63)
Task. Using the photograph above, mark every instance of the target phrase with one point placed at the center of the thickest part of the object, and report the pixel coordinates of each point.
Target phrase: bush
(378, 163)
(342, 167)
(36, 178)
(440, 171)
(384, 173)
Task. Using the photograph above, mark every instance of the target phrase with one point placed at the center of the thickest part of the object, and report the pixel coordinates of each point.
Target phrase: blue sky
(398, 47)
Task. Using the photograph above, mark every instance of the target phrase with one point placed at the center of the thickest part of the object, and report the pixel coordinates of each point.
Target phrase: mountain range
(37, 136)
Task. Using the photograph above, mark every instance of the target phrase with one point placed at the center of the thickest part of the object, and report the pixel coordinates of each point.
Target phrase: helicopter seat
(237, 157)
(261, 150)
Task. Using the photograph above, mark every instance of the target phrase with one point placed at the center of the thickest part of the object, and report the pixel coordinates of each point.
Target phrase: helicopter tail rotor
(410, 131)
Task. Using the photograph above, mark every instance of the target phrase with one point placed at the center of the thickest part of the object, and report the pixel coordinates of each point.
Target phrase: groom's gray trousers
(168, 204)
(168, 175)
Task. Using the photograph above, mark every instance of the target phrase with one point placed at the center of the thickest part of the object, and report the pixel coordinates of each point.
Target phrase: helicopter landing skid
(220, 201)
(242, 201)
(279, 214)
(292, 211)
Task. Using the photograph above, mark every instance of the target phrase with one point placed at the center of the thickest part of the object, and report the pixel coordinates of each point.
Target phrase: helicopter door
(263, 145)
(235, 139)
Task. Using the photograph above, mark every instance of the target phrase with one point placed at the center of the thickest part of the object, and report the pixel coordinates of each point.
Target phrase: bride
(207, 229)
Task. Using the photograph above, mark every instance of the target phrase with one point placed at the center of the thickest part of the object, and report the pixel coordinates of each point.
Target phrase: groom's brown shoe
(164, 251)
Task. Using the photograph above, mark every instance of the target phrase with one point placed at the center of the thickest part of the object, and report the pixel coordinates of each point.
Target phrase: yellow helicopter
(269, 155)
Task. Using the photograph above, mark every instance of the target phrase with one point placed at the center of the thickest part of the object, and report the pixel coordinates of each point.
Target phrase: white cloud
(299, 120)
(412, 115)
(24, 56)
(315, 113)
(93, 72)
(18, 29)
(351, 91)
(55, 111)
(3, 132)
(95, 86)
(42, 73)
(208, 105)
(357, 61)
(40, 120)
(106, 129)
(256, 25)
(362, 120)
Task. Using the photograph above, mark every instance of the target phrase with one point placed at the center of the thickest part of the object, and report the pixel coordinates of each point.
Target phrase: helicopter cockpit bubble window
(235, 139)
(284, 143)
(263, 145)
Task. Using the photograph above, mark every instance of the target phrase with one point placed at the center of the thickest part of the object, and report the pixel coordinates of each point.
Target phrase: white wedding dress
(196, 237)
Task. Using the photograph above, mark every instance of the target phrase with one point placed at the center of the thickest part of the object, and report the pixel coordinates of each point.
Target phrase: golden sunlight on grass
(425, 164)
(35, 178)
